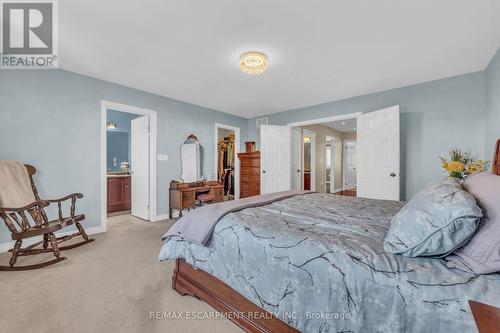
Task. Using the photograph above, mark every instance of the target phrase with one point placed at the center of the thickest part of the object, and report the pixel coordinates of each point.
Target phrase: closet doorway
(227, 164)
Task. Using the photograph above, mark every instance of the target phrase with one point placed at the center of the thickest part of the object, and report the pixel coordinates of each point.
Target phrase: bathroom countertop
(117, 175)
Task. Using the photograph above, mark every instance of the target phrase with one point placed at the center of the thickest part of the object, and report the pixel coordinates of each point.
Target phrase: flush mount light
(111, 125)
(253, 62)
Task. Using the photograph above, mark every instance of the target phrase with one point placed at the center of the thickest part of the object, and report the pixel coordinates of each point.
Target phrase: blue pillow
(435, 222)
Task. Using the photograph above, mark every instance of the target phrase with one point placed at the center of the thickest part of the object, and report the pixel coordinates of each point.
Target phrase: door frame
(325, 120)
(332, 163)
(105, 105)
(312, 134)
(300, 157)
(344, 161)
(236, 131)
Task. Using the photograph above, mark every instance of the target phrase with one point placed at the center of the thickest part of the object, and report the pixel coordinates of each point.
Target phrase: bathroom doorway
(128, 150)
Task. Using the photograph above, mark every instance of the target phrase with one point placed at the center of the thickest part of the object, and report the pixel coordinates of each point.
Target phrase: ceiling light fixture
(253, 62)
(111, 125)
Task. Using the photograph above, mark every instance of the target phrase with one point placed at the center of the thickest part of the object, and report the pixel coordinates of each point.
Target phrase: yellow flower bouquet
(460, 165)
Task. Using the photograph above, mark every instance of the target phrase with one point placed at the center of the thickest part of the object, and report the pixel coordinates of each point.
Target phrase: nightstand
(487, 317)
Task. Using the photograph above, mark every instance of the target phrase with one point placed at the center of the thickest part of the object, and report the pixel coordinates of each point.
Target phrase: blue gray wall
(492, 104)
(436, 117)
(51, 119)
(118, 143)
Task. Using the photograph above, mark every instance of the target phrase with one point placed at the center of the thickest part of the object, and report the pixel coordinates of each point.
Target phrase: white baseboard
(4, 247)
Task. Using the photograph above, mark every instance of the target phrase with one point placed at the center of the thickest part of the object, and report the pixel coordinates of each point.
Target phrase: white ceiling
(318, 51)
(344, 126)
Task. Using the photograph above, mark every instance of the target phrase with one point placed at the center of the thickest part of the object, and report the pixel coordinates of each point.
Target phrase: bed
(315, 263)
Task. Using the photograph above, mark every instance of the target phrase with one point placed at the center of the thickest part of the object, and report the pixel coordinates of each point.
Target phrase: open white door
(378, 154)
(275, 142)
(349, 164)
(139, 150)
(296, 169)
(330, 164)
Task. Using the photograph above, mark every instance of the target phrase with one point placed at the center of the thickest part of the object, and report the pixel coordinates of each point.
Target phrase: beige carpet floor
(110, 285)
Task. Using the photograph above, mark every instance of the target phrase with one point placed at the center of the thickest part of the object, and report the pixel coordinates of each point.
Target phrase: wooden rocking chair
(31, 220)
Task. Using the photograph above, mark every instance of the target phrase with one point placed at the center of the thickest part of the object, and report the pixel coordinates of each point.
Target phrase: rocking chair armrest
(69, 196)
(39, 204)
(72, 209)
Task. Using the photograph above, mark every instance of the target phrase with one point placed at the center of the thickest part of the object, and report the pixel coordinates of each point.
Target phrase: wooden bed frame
(250, 317)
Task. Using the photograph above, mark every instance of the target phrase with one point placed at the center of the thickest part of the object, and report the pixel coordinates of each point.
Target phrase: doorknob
(392, 174)
(298, 170)
(263, 171)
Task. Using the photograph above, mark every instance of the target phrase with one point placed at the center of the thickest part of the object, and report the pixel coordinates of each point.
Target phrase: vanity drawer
(188, 198)
(217, 191)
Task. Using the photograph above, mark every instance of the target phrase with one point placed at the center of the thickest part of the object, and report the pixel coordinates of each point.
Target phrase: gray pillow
(436, 221)
(482, 254)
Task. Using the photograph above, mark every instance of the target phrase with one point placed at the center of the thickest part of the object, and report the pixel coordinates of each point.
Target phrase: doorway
(377, 153)
(322, 152)
(226, 168)
(128, 164)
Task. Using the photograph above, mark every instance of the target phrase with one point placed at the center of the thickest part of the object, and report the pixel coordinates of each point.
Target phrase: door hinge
(148, 207)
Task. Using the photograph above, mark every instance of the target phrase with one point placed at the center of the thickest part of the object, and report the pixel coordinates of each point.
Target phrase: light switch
(162, 157)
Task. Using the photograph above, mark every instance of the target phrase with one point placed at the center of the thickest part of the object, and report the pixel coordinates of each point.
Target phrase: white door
(139, 150)
(349, 164)
(330, 164)
(378, 154)
(296, 170)
(275, 142)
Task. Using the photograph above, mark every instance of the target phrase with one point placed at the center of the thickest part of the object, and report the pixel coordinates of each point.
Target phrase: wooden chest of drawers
(249, 174)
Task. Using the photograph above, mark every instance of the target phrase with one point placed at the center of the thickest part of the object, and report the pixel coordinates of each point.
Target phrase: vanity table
(183, 195)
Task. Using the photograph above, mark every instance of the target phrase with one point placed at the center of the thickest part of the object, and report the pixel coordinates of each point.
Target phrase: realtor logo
(29, 34)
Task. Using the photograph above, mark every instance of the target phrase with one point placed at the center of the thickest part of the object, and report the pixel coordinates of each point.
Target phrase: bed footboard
(250, 317)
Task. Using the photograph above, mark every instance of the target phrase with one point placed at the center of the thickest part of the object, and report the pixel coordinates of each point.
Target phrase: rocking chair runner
(17, 221)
